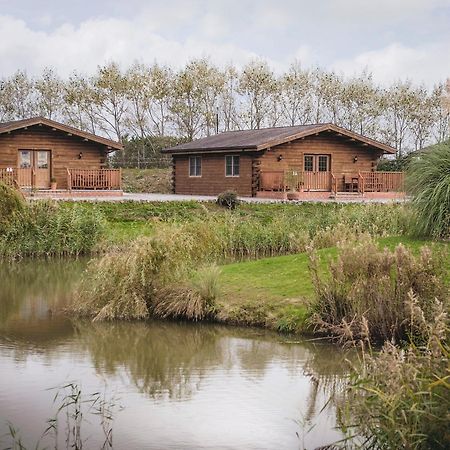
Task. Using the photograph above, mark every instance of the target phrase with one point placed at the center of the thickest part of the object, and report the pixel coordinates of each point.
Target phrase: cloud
(98, 41)
(423, 64)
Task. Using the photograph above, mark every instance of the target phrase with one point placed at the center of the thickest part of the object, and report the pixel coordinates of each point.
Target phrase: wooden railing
(106, 179)
(295, 180)
(18, 177)
(381, 182)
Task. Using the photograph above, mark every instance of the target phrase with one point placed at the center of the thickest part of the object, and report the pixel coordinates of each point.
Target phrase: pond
(180, 385)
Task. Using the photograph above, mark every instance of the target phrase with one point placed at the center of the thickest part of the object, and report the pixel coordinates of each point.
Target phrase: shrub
(399, 397)
(428, 181)
(228, 199)
(368, 288)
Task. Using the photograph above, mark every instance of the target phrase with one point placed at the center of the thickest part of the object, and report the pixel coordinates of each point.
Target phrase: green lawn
(275, 291)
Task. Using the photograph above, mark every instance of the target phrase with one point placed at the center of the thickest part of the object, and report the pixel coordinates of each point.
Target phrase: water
(188, 386)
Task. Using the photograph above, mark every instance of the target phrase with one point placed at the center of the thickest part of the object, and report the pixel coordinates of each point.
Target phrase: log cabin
(282, 161)
(38, 152)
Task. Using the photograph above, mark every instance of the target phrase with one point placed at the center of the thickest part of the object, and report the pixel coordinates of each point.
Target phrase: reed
(45, 228)
(399, 397)
(367, 291)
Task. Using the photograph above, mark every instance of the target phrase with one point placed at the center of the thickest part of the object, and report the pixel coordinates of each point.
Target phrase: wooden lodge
(283, 162)
(37, 153)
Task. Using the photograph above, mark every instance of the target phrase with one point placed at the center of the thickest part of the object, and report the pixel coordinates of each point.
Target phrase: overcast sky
(392, 38)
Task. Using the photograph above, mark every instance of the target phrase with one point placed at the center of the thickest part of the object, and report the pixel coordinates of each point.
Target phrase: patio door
(317, 173)
(34, 168)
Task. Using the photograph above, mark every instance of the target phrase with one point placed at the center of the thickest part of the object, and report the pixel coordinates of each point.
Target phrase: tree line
(147, 102)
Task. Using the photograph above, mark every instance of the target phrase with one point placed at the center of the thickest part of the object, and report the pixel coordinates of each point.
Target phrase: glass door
(317, 172)
(34, 168)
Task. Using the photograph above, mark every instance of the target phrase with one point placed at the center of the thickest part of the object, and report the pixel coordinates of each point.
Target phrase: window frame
(195, 158)
(233, 165)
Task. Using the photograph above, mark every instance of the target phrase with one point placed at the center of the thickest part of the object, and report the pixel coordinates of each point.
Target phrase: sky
(393, 39)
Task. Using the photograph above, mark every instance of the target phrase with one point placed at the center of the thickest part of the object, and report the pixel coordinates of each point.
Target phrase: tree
(17, 97)
(109, 89)
(79, 107)
(50, 94)
(196, 97)
(296, 95)
(257, 85)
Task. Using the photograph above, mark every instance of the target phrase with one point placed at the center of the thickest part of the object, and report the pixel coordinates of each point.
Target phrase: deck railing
(106, 179)
(381, 182)
(18, 176)
(293, 179)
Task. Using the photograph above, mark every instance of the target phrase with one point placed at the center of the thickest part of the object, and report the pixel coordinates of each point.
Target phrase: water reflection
(255, 383)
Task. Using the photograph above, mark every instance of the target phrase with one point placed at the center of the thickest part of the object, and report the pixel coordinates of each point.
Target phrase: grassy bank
(147, 180)
(278, 292)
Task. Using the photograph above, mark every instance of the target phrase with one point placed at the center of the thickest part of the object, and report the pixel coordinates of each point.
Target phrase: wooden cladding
(64, 152)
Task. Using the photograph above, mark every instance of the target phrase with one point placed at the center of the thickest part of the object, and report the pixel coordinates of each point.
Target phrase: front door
(34, 168)
(317, 174)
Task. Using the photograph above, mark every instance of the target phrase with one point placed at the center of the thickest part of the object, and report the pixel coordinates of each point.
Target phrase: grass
(147, 180)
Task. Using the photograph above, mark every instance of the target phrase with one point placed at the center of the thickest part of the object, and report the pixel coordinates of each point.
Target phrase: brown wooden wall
(64, 150)
(213, 180)
(341, 150)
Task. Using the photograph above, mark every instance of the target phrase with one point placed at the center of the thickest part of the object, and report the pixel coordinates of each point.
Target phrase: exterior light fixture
(280, 158)
(355, 159)
(80, 155)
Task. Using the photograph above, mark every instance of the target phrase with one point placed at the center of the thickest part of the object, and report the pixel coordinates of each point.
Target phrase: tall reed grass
(367, 291)
(46, 228)
(400, 397)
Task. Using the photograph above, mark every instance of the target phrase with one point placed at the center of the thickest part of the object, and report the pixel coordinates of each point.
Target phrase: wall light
(280, 158)
(80, 155)
(355, 159)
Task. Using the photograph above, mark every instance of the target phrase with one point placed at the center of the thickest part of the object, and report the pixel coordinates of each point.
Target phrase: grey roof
(265, 138)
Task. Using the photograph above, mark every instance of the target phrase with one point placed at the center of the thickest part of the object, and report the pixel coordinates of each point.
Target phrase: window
(309, 163)
(322, 163)
(195, 166)
(24, 159)
(232, 166)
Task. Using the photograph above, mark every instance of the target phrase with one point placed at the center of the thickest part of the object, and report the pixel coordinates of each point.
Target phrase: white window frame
(232, 166)
(195, 166)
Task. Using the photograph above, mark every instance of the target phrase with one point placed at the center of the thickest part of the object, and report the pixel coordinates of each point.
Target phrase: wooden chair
(351, 182)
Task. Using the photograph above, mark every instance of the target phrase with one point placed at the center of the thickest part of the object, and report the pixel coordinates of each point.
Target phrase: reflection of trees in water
(31, 294)
(162, 359)
(171, 359)
(33, 287)
(327, 366)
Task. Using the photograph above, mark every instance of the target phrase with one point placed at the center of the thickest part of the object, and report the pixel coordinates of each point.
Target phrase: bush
(428, 181)
(399, 397)
(228, 199)
(367, 291)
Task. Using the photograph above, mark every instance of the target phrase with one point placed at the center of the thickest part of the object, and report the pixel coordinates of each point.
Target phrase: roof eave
(110, 144)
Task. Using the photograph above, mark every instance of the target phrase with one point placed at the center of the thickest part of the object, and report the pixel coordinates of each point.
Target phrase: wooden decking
(361, 182)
